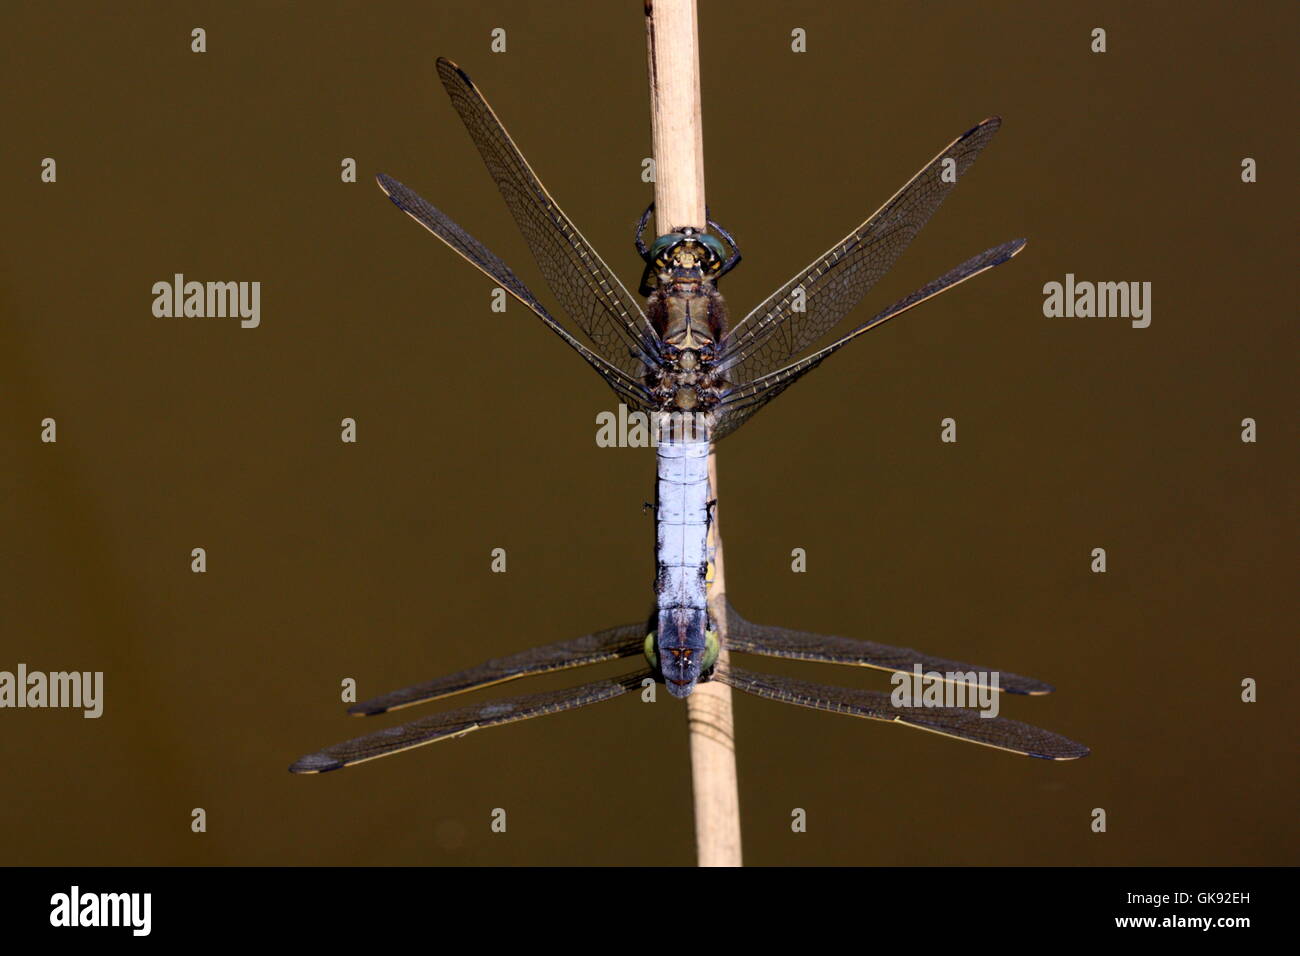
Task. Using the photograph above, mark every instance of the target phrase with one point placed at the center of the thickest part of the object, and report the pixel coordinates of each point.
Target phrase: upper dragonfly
(699, 378)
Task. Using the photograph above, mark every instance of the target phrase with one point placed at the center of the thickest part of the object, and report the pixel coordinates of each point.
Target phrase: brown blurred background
(476, 431)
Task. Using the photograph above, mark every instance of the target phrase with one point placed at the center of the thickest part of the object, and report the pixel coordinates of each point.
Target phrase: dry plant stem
(671, 35)
(713, 737)
(672, 38)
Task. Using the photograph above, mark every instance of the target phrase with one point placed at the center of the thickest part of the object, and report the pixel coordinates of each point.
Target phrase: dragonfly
(627, 641)
(679, 361)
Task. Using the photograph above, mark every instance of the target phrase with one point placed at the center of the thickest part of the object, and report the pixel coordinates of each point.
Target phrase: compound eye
(714, 245)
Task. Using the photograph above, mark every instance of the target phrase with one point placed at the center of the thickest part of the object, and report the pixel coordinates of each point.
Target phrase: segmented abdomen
(683, 546)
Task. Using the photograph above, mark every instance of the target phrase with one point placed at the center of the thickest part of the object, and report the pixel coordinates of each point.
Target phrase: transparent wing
(749, 638)
(457, 723)
(835, 282)
(747, 398)
(613, 643)
(625, 386)
(998, 732)
(588, 291)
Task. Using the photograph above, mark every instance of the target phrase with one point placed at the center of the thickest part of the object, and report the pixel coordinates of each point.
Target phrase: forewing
(587, 289)
(835, 282)
(457, 723)
(749, 638)
(610, 644)
(747, 398)
(627, 387)
(998, 732)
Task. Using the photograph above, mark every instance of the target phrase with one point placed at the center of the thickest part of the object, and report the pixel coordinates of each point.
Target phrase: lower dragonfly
(628, 640)
(679, 361)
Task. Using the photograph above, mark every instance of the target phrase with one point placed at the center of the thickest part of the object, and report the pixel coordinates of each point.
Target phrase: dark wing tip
(315, 763)
(992, 122)
(1079, 751)
(1005, 252)
(365, 709)
(386, 183)
(446, 67)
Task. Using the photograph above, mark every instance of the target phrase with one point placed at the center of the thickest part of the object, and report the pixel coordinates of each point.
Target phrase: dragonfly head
(688, 253)
(687, 655)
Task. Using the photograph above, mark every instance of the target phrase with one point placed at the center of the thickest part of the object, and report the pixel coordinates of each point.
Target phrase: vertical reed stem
(674, 59)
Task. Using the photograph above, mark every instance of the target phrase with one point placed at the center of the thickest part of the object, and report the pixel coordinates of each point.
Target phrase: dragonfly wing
(747, 398)
(610, 644)
(998, 732)
(457, 723)
(817, 298)
(749, 638)
(587, 289)
(626, 386)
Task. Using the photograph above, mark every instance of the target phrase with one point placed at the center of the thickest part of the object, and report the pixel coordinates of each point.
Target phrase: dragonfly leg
(641, 247)
(734, 259)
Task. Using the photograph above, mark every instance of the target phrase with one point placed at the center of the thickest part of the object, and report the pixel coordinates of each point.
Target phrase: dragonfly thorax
(689, 316)
(685, 379)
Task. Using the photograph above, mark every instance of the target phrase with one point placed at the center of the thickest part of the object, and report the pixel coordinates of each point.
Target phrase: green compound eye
(651, 654)
(712, 645)
(715, 245)
(664, 243)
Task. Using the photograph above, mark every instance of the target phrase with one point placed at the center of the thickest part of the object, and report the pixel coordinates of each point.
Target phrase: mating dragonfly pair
(700, 378)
